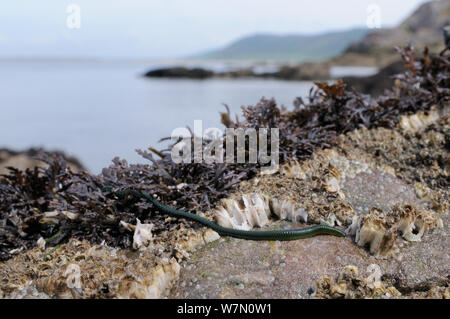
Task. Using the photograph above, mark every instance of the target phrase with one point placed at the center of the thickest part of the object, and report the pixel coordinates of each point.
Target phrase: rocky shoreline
(29, 159)
(319, 267)
(304, 72)
(376, 168)
(376, 84)
(373, 85)
(377, 49)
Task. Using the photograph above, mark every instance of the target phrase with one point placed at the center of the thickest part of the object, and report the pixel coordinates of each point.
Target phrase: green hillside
(292, 47)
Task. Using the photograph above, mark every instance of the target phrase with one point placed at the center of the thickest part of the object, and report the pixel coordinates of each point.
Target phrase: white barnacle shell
(262, 207)
(249, 211)
(127, 226)
(142, 235)
(41, 243)
(416, 122)
(70, 215)
(50, 217)
(407, 226)
(372, 234)
(293, 169)
(291, 209)
(178, 186)
(301, 215)
(275, 206)
(231, 215)
(285, 210)
(354, 224)
(332, 185)
(410, 219)
(330, 220)
(255, 213)
(223, 218)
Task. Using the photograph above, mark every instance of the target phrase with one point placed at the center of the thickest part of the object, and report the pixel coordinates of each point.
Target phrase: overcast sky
(172, 28)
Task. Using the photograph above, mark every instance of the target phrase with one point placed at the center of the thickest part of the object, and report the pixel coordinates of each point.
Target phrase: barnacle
(332, 185)
(380, 230)
(247, 212)
(293, 169)
(142, 235)
(418, 121)
(373, 231)
(41, 243)
(349, 283)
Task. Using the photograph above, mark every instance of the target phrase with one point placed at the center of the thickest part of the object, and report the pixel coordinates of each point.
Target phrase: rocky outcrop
(180, 72)
(376, 84)
(424, 27)
(303, 72)
(28, 159)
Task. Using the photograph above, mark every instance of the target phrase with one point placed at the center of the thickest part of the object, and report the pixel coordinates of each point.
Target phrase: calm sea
(96, 111)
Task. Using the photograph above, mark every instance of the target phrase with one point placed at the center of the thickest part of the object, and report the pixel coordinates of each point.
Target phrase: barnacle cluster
(244, 213)
(380, 230)
(315, 190)
(351, 284)
(416, 122)
(299, 193)
(79, 269)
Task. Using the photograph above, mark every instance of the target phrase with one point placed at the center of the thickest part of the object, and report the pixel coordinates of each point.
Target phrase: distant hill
(294, 47)
(423, 28)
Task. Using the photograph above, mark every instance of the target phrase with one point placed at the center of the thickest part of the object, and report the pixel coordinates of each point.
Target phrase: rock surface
(303, 72)
(423, 27)
(234, 268)
(380, 168)
(27, 159)
(376, 84)
(180, 72)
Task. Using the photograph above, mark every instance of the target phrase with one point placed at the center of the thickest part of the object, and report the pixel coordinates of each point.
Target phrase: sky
(150, 29)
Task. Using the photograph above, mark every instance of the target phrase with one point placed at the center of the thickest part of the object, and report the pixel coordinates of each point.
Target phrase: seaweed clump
(55, 203)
